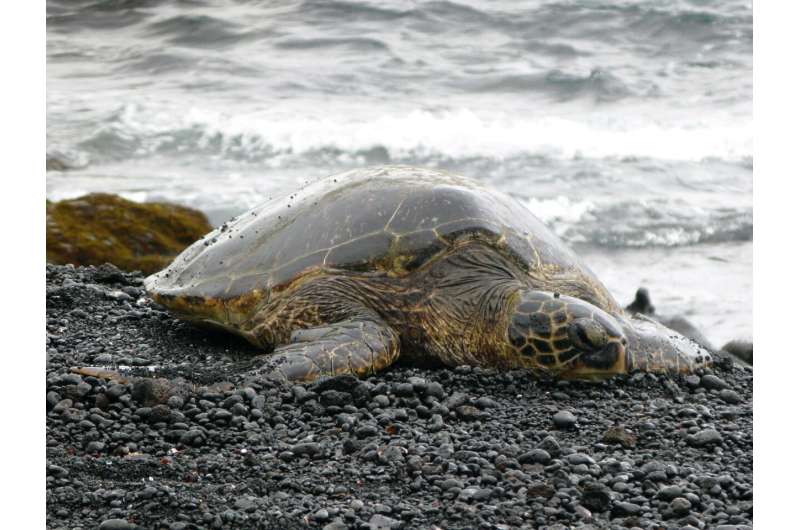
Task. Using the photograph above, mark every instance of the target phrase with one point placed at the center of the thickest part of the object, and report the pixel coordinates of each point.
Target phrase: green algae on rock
(100, 227)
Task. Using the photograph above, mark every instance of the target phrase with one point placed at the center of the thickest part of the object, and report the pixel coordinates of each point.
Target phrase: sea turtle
(358, 269)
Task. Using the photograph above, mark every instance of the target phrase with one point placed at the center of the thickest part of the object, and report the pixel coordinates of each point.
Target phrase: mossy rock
(101, 227)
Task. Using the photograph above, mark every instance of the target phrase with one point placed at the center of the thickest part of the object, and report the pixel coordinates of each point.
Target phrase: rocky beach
(626, 128)
(410, 448)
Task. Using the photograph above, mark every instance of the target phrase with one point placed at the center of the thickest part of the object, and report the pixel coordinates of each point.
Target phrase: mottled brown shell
(389, 220)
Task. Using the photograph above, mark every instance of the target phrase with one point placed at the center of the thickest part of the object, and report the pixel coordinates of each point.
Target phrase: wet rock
(740, 349)
(116, 391)
(392, 454)
(470, 413)
(95, 446)
(309, 449)
(667, 493)
(550, 445)
(52, 399)
(366, 431)
(403, 390)
(541, 489)
(381, 522)
(596, 497)
(246, 503)
(435, 390)
(576, 459)
(57, 471)
(102, 228)
(321, 515)
(705, 437)
(625, 509)
(619, 435)
(641, 303)
(117, 524)
(436, 423)
(564, 419)
(335, 398)
(486, 403)
(680, 506)
(456, 400)
(692, 380)
(730, 396)
(536, 456)
(382, 400)
(153, 391)
(713, 382)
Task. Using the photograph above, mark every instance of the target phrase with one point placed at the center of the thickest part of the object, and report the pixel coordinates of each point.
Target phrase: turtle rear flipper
(358, 347)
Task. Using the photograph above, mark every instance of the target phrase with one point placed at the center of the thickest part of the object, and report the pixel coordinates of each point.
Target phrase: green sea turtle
(358, 269)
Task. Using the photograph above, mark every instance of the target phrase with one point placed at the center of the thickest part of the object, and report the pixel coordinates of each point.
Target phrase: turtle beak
(653, 347)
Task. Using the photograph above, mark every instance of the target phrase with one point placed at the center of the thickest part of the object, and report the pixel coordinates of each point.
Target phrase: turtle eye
(587, 335)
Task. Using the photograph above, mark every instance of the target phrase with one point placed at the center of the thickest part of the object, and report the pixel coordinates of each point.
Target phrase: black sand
(410, 448)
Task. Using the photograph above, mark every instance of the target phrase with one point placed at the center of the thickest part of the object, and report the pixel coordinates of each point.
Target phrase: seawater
(625, 126)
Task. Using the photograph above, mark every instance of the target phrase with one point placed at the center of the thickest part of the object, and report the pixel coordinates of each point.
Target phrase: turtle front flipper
(358, 347)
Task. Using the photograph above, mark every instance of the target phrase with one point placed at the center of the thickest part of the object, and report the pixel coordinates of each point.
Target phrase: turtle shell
(389, 220)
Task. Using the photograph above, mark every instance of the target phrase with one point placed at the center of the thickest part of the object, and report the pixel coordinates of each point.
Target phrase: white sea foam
(269, 136)
(559, 208)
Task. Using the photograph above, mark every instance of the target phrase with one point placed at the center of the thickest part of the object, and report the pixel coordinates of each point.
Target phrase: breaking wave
(137, 131)
(642, 223)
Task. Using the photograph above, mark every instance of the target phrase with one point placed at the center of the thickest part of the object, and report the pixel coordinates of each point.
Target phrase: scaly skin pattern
(455, 311)
(552, 329)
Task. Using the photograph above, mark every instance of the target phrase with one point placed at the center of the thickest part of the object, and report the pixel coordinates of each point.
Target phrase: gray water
(626, 126)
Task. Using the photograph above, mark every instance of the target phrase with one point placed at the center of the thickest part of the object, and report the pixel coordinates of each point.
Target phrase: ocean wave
(639, 21)
(66, 15)
(555, 49)
(353, 43)
(200, 31)
(561, 52)
(642, 223)
(560, 209)
(421, 16)
(644, 22)
(598, 84)
(136, 131)
(669, 236)
(358, 11)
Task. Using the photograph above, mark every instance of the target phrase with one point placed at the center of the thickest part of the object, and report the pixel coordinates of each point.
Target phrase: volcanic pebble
(706, 437)
(407, 448)
(564, 419)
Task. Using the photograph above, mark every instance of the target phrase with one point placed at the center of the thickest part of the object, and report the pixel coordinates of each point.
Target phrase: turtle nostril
(624, 341)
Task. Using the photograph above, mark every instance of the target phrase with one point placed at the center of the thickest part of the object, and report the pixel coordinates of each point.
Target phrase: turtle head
(653, 347)
(575, 339)
(565, 335)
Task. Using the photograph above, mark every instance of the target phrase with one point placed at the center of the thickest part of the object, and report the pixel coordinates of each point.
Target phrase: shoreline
(408, 448)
